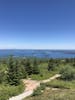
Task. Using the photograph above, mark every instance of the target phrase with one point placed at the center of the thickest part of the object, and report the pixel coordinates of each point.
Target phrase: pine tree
(35, 67)
(28, 67)
(51, 65)
(13, 74)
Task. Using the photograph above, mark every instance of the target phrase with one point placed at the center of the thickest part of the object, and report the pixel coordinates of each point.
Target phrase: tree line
(12, 70)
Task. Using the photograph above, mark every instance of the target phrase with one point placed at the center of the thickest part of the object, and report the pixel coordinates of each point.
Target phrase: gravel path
(22, 96)
(30, 86)
(52, 78)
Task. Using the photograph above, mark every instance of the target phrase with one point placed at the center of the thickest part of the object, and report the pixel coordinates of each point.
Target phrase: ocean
(38, 53)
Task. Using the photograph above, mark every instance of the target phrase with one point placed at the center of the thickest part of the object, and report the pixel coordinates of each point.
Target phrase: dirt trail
(30, 85)
(52, 78)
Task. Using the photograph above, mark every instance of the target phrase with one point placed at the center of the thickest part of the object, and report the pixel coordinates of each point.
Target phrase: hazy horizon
(34, 49)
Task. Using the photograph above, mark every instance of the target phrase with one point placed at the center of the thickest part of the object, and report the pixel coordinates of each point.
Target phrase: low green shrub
(67, 73)
(42, 86)
(37, 92)
(61, 84)
(7, 91)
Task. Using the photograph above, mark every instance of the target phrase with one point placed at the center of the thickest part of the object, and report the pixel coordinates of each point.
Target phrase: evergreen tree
(3, 74)
(23, 73)
(35, 67)
(13, 74)
(28, 67)
(51, 65)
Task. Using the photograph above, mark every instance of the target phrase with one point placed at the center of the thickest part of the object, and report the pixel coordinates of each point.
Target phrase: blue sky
(37, 24)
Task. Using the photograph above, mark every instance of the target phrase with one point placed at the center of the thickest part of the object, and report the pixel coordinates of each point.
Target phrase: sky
(37, 24)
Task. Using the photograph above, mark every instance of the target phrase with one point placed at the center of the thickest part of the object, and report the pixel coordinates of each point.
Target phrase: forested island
(14, 69)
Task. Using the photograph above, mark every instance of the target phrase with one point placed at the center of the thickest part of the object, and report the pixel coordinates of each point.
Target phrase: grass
(7, 91)
(61, 84)
(56, 90)
(50, 94)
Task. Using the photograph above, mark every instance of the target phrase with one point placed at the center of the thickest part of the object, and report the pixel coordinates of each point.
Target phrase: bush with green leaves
(37, 92)
(7, 91)
(42, 86)
(67, 73)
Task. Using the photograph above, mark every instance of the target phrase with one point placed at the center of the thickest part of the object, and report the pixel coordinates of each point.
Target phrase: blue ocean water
(38, 53)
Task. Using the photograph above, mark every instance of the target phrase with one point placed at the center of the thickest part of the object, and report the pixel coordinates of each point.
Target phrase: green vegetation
(13, 69)
(44, 73)
(50, 94)
(68, 73)
(61, 84)
(7, 91)
(51, 65)
(35, 67)
(39, 90)
(60, 89)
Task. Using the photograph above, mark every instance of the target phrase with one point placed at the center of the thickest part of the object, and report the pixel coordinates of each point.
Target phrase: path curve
(31, 85)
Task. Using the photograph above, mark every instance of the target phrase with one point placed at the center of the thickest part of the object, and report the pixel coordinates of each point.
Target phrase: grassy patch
(62, 94)
(66, 91)
(61, 84)
(7, 91)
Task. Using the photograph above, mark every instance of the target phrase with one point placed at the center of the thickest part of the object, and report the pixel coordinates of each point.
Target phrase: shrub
(7, 91)
(37, 92)
(67, 73)
(58, 84)
(42, 86)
